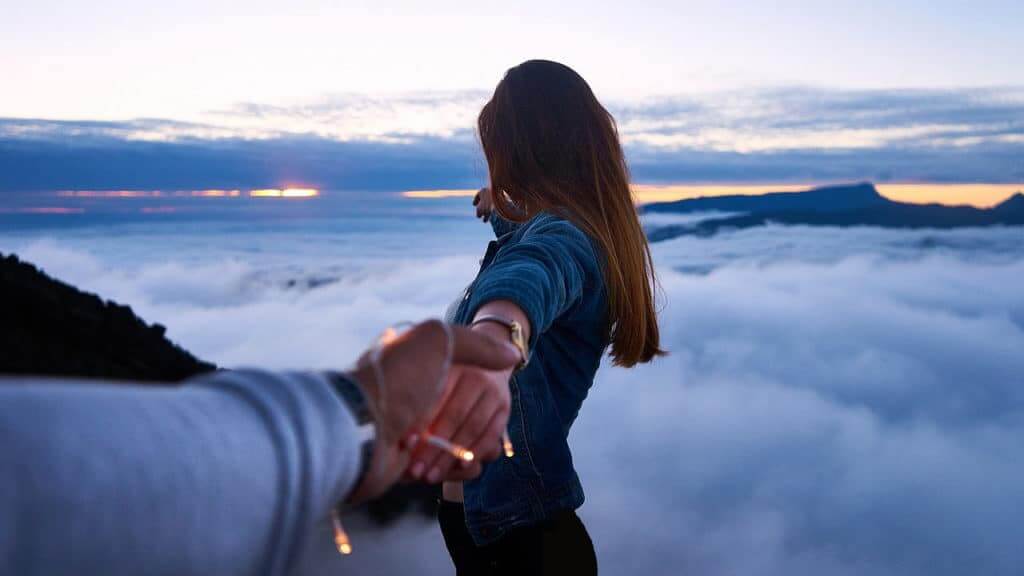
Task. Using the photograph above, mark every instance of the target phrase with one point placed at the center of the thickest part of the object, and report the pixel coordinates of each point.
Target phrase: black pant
(559, 545)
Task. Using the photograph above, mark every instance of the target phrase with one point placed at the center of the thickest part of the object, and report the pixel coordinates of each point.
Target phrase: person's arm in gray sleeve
(225, 475)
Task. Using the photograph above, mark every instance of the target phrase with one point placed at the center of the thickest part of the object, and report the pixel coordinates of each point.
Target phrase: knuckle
(451, 419)
(462, 413)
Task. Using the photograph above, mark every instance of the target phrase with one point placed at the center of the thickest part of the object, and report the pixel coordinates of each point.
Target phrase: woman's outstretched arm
(531, 282)
(542, 275)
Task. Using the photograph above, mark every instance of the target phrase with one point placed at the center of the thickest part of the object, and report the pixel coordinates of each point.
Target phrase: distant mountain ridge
(826, 199)
(849, 205)
(1012, 205)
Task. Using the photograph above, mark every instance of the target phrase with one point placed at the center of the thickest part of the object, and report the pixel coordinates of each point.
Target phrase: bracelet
(354, 399)
(353, 396)
(515, 332)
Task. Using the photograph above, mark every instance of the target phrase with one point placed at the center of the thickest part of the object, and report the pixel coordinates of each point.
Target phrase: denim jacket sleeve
(543, 271)
(502, 226)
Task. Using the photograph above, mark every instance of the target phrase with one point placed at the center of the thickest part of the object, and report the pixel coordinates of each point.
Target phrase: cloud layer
(356, 142)
(836, 402)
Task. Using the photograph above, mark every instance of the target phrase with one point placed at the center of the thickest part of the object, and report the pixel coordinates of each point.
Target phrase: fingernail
(417, 470)
(434, 475)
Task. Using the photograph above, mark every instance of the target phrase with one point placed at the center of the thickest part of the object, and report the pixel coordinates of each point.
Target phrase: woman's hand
(487, 417)
(474, 416)
(418, 393)
(484, 204)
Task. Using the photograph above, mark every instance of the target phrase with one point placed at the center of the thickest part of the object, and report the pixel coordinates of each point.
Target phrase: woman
(571, 272)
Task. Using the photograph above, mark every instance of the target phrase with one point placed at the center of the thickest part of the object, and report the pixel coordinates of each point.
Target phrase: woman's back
(551, 269)
(576, 275)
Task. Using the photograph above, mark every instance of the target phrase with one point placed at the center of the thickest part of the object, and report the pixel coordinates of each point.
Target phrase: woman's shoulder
(551, 223)
(550, 228)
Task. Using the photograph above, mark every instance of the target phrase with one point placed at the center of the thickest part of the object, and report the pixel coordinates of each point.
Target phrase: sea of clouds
(835, 402)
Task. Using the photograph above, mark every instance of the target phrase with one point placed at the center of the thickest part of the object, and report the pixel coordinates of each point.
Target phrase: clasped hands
(412, 390)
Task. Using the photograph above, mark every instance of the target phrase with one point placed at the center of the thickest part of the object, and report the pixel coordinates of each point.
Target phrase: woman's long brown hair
(551, 146)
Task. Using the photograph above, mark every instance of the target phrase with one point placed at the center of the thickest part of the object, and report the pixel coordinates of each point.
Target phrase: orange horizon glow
(979, 195)
(110, 194)
(43, 210)
(211, 193)
(649, 193)
(216, 193)
(284, 193)
(452, 193)
(148, 193)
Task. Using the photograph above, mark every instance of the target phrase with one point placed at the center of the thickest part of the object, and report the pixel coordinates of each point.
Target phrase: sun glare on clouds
(213, 193)
(284, 193)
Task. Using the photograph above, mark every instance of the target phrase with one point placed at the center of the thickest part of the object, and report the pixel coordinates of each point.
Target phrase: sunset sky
(367, 95)
(273, 184)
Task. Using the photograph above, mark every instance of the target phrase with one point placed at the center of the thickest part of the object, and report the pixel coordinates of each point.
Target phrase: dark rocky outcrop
(50, 328)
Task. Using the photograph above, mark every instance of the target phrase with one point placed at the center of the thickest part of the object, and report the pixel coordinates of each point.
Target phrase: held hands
(471, 404)
(475, 414)
(414, 391)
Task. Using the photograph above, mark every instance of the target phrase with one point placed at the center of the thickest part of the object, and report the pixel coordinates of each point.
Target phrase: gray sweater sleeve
(227, 474)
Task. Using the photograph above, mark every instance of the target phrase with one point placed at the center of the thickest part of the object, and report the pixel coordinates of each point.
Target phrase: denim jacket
(550, 269)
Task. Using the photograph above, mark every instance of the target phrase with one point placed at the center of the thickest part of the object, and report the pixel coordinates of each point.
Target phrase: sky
(116, 59)
(118, 94)
(835, 402)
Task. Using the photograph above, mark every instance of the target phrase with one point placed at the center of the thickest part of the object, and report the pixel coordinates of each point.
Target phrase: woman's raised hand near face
(484, 204)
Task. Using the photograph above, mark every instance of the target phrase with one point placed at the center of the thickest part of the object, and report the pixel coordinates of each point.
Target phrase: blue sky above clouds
(363, 95)
(118, 59)
(426, 140)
